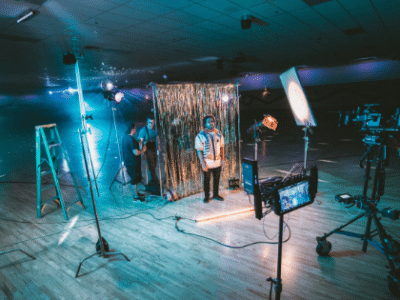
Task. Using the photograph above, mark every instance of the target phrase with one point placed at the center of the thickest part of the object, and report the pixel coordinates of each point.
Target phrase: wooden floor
(193, 264)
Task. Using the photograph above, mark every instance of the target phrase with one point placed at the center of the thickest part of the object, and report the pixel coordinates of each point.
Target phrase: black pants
(207, 176)
(151, 157)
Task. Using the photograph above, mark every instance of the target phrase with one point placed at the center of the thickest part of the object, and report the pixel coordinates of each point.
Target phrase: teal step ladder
(51, 157)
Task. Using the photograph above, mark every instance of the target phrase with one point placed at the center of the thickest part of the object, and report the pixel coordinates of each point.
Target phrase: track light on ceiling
(246, 22)
(25, 17)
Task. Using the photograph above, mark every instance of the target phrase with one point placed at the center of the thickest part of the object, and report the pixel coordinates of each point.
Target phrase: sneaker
(138, 199)
(218, 197)
(207, 200)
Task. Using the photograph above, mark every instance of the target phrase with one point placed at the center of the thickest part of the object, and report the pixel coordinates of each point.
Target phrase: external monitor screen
(294, 196)
(250, 175)
(297, 98)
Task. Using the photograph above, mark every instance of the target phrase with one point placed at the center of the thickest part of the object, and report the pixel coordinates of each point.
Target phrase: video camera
(282, 195)
(369, 120)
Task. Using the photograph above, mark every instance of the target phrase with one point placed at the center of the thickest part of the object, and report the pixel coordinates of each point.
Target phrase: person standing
(132, 159)
(148, 138)
(209, 144)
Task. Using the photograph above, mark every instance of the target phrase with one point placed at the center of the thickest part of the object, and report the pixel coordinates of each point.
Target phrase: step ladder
(54, 150)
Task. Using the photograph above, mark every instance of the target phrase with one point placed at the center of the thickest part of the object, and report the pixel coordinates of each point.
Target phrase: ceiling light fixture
(265, 93)
(246, 21)
(26, 16)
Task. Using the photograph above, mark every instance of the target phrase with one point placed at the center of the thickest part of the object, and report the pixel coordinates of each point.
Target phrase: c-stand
(389, 247)
(102, 248)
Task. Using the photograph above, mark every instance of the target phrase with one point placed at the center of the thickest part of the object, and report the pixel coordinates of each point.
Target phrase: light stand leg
(8, 251)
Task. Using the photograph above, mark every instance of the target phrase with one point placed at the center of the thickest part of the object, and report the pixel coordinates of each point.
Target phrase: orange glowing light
(231, 215)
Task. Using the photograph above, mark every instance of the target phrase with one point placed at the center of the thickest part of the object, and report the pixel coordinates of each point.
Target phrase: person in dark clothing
(132, 158)
(148, 137)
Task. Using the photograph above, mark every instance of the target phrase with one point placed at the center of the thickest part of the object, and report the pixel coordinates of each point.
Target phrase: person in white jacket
(209, 144)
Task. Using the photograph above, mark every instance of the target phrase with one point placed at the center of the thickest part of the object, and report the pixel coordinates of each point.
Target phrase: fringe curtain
(180, 109)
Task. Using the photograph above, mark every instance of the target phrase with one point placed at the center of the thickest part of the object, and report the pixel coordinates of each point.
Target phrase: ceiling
(140, 41)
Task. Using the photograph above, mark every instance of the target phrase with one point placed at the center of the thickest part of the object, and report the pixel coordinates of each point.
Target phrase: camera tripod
(389, 247)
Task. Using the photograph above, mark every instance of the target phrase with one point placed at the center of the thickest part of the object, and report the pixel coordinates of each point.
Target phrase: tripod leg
(384, 241)
(116, 176)
(367, 234)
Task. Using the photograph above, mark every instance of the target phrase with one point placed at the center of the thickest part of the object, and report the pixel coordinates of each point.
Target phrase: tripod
(387, 245)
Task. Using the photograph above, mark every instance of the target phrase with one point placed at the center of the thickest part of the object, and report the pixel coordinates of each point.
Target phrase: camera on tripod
(369, 120)
(378, 137)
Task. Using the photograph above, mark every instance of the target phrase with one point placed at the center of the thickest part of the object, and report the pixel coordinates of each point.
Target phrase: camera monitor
(250, 184)
(297, 98)
(293, 197)
(250, 175)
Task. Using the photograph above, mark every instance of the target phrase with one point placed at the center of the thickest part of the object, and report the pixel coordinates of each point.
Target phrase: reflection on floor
(205, 260)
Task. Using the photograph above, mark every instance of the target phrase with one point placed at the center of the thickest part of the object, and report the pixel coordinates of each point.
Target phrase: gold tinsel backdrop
(180, 109)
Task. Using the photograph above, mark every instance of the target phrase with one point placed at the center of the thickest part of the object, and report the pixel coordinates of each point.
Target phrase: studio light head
(110, 92)
(107, 85)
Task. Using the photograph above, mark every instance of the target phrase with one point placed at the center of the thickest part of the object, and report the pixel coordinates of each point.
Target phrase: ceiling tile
(148, 6)
(180, 33)
(183, 17)
(96, 22)
(128, 35)
(336, 14)
(133, 13)
(110, 17)
(96, 4)
(118, 1)
(177, 4)
(167, 22)
(247, 3)
(151, 27)
(291, 22)
(71, 12)
(222, 6)
(289, 5)
(211, 26)
(315, 20)
(200, 11)
(227, 21)
(265, 10)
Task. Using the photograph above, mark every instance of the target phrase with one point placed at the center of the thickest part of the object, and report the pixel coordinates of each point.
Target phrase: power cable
(222, 244)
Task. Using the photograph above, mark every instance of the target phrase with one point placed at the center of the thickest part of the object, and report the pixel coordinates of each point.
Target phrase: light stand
(122, 165)
(278, 280)
(269, 122)
(84, 141)
(306, 142)
(102, 252)
(256, 139)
